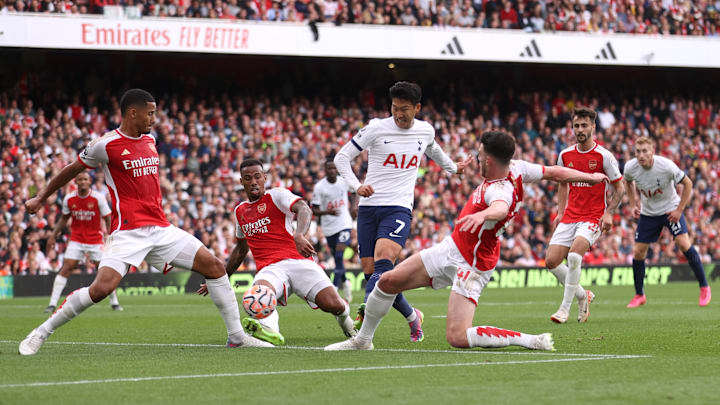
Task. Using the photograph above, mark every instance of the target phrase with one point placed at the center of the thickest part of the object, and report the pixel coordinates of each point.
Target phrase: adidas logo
(453, 47)
(531, 51)
(125, 152)
(607, 52)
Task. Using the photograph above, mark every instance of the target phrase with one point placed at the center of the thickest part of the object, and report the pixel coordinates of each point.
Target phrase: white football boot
(350, 344)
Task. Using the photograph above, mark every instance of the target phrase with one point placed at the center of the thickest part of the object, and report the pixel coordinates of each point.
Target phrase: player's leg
(106, 280)
(682, 241)
(639, 254)
(94, 252)
(461, 334)
(572, 281)
(177, 248)
(60, 282)
(268, 328)
(340, 273)
(367, 233)
(408, 275)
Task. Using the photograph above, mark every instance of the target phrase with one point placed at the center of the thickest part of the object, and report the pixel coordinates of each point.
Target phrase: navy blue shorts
(340, 237)
(389, 222)
(649, 228)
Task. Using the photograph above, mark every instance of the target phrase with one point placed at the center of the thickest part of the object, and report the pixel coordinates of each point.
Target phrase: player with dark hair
(139, 229)
(583, 213)
(395, 146)
(466, 260)
(283, 255)
(330, 203)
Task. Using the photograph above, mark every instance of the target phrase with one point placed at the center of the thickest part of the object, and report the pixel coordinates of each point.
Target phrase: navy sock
(368, 277)
(694, 261)
(401, 304)
(639, 276)
(339, 278)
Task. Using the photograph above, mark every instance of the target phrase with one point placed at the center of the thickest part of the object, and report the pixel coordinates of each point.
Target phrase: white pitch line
(518, 353)
(304, 371)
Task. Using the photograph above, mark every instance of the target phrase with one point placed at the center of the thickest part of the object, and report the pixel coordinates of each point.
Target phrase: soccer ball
(259, 301)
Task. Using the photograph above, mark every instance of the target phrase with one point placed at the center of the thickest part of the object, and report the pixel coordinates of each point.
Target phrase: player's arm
(61, 224)
(237, 256)
(318, 212)
(68, 173)
(304, 216)
(435, 152)
(674, 216)
(563, 193)
(495, 212)
(612, 206)
(632, 198)
(343, 160)
(562, 174)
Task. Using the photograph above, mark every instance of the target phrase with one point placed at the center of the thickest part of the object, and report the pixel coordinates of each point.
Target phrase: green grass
(681, 342)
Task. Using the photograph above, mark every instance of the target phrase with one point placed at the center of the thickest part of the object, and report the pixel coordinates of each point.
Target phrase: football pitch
(170, 349)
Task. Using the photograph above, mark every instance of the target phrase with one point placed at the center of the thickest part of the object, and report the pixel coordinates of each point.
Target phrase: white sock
(344, 320)
(76, 302)
(113, 298)
(271, 321)
(58, 287)
(572, 279)
(412, 317)
(377, 306)
(560, 273)
(490, 336)
(224, 298)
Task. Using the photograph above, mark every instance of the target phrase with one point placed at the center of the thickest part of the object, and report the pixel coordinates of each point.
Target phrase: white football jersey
(656, 185)
(327, 196)
(394, 156)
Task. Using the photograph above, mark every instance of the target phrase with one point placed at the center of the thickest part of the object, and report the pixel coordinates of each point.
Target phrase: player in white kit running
(395, 146)
(466, 260)
(283, 255)
(331, 204)
(85, 209)
(140, 231)
(656, 177)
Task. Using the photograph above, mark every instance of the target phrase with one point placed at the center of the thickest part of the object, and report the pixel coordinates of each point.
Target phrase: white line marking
(304, 371)
(459, 351)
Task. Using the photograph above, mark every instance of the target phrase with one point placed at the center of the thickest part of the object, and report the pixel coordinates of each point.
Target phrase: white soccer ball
(259, 301)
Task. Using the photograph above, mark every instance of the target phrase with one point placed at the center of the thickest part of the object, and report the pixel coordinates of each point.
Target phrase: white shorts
(302, 277)
(565, 234)
(162, 247)
(446, 266)
(77, 251)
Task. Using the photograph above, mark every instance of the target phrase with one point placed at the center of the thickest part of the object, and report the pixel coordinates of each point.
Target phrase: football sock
(401, 304)
(560, 272)
(344, 320)
(490, 336)
(367, 281)
(639, 276)
(224, 298)
(571, 280)
(696, 265)
(113, 298)
(58, 287)
(339, 272)
(76, 302)
(378, 305)
(271, 321)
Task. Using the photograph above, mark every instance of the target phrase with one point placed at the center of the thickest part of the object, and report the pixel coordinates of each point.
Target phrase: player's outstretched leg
(76, 302)
(328, 300)
(413, 316)
(266, 329)
(461, 334)
(223, 296)
(377, 306)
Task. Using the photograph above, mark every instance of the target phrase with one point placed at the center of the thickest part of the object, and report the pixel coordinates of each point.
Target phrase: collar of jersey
(128, 137)
(577, 149)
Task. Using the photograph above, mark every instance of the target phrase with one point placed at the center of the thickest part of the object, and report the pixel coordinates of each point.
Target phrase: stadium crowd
(201, 142)
(654, 17)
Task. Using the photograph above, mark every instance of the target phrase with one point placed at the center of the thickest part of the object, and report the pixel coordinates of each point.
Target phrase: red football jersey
(131, 173)
(482, 249)
(586, 202)
(267, 226)
(86, 213)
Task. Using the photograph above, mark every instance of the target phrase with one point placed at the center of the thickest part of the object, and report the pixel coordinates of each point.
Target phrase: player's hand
(606, 222)
(470, 223)
(304, 247)
(636, 212)
(461, 165)
(202, 290)
(33, 205)
(556, 222)
(596, 178)
(365, 191)
(334, 212)
(674, 216)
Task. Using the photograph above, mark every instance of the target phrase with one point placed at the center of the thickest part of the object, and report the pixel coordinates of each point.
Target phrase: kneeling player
(264, 225)
(467, 259)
